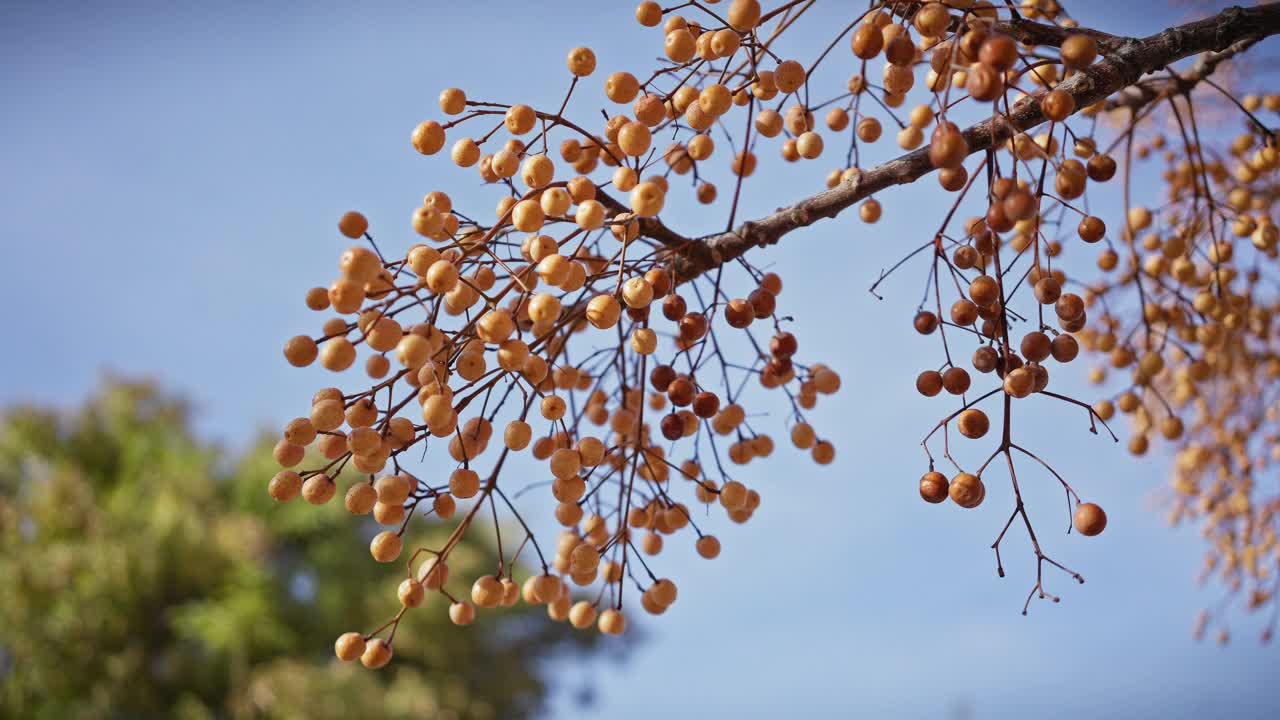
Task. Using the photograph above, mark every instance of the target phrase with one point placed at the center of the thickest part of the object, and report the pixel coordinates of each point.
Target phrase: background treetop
(146, 575)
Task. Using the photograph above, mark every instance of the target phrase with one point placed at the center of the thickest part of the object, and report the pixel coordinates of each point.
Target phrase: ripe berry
(353, 225)
(411, 593)
(1101, 168)
(1078, 51)
(929, 383)
(582, 614)
(377, 653)
(1092, 229)
(385, 546)
(612, 622)
(318, 489)
(925, 322)
(462, 613)
(984, 290)
(956, 380)
(947, 147)
(1057, 105)
(360, 499)
(1064, 348)
(285, 486)
(487, 592)
(1036, 346)
(999, 52)
(867, 41)
(744, 14)
(1090, 519)
(349, 646)
(934, 487)
(973, 423)
(708, 546)
(967, 490)
(783, 345)
(706, 404)
(672, 426)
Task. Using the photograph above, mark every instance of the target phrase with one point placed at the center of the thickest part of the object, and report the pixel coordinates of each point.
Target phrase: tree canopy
(146, 575)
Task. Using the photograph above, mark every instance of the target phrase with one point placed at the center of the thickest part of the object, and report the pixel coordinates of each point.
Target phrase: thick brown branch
(1030, 32)
(1144, 93)
(1122, 66)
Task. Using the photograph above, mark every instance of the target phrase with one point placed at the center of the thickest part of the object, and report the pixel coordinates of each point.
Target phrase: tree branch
(1028, 32)
(1124, 63)
(649, 227)
(1142, 94)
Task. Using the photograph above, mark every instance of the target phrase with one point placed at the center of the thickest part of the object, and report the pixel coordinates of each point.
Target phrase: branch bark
(1146, 92)
(1124, 62)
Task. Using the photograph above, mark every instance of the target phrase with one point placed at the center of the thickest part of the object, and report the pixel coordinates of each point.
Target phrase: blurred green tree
(144, 576)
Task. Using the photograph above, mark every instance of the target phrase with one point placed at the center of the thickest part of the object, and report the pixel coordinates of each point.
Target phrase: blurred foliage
(144, 576)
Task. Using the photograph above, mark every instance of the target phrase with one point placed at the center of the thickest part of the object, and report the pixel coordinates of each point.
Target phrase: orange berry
(1090, 519)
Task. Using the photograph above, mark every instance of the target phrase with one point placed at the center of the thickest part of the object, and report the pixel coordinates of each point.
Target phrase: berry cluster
(621, 355)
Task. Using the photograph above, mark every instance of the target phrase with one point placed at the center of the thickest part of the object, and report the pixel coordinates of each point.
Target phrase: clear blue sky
(170, 178)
